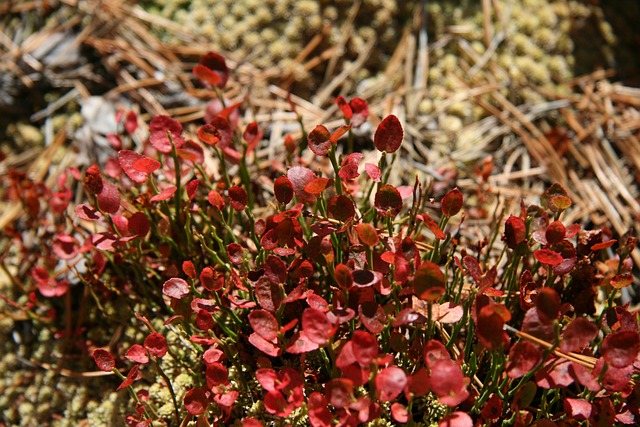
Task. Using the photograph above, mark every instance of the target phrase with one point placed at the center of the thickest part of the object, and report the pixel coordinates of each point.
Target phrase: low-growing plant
(321, 294)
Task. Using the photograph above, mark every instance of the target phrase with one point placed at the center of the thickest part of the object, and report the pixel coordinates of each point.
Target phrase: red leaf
(196, 401)
(339, 392)
(216, 200)
(429, 281)
(133, 375)
(341, 208)
(191, 151)
(555, 232)
(388, 201)
(235, 252)
(176, 288)
(551, 192)
(317, 186)
(620, 349)
(317, 326)
(109, 198)
(268, 378)
(360, 111)
(432, 226)
(319, 414)
(578, 409)
(210, 279)
(264, 324)
(319, 141)
(238, 198)
(104, 359)
(451, 203)
(87, 213)
(603, 245)
(364, 347)
(349, 166)
(93, 180)
(367, 234)
(131, 122)
(136, 166)
(620, 281)
(389, 134)
(139, 224)
(217, 64)
(548, 303)
(276, 404)
(447, 313)
(207, 76)
(343, 276)
(138, 354)
(344, 107)
(209, 134)
(300, 177)
(448, 382)
(390, 382)
(338, 133)
(399, 412)
(372, 316)
(365, 278)
(373, 171)
(472, 267)
(265, 346)
(192, 188)
(490, 326)
(523, 357)
(300, 343)
(515, 231)
(577, 335)
(548, 257)
(164, 194)
(283, 189)
(159, 128)
(456, 419)
(65, 246)
(156, 343)
(216, 374)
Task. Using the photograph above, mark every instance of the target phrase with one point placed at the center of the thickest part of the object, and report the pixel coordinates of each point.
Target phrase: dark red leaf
(389, 134)
(343, 276)
(548, 257)
(367, 234)
(210, 279)
(93, 180)
(216, 374)
(388, 201)
(156, 343)
(451, 203)
(264, 324)
(319, 414)
(554, 374)
(109, 198)
(87, 213)
(131, 122)
(577, 335)
(133, 375)
(196, 401)
(319, 141)
(176, 288)
(390, 382)
(523, 357)
(472, 266)
(218, 64)
(341, 208)
(555, 232)
(235, 252)
(104, 359)
(515, 232)
(207, 76)
(192, 188)
(365, 278)
(238, 198)
(283, 189)
(548, 303)
(160, 128)
(139, 224)
(276, 404)
(620, 349)
(429, 281)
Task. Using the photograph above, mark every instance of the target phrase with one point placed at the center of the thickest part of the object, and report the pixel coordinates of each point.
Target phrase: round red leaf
(547, 256)
(451, 203)
(389, 134)
(176, 288)
(238, 198)
(319, 141)
(390, 382)
(104, 359)
(196, 401)
(156, 343)
(283, 189)
(388, 201)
